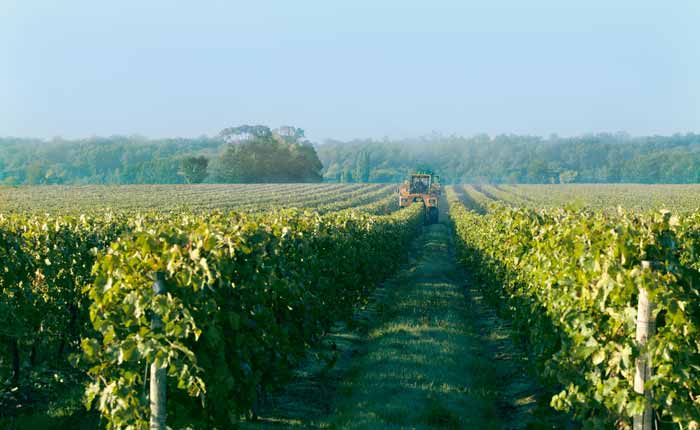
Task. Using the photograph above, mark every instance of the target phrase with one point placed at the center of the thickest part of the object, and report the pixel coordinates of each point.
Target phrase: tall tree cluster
(194, 169)
(362, 166)
(263, 155)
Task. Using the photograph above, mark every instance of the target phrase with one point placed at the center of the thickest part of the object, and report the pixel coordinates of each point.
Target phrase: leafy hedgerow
(570, 279)
(46, 261)
(246, 295)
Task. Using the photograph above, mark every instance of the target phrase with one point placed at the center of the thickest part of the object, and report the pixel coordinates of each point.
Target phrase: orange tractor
(423, 188)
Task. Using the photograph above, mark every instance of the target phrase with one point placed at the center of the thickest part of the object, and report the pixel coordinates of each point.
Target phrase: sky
(349, 69)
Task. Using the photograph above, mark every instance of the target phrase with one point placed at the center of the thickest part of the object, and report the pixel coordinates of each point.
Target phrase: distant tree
(537, 171)
(35, 173)
(269, 157)
(236, 165)
(194, 169)
(333, 172)
(303, 164)
(347, 176)
(362, 167)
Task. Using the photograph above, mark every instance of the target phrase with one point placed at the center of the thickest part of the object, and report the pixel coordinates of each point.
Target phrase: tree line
(238, 154)
(260, 154)
(595, 158)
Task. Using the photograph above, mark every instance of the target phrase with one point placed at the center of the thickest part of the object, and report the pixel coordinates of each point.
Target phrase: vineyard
(194, 198)
(571, 279)
(275, 279)
(633, 197)
(224, 291)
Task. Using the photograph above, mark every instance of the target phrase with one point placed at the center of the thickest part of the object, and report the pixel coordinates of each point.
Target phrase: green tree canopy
(362, 167)
(269, 157)
(504, 158)
(194, 169)
(481, 158)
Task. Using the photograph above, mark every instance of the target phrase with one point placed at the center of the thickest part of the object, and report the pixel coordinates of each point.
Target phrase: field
(632, 197)
(570, 269)
(196, 198)
(324, 306)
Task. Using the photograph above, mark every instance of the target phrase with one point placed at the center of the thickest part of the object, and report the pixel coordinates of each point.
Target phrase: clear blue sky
(349, 69)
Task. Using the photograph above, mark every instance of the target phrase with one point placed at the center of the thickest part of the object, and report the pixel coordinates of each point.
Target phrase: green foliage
(537, 171)
(267, 157)
(570, 279)
(15, 267)
(347, 176)
(246, 295)
(47, 260)
(362, 167)
(194, 169)
(633, 197)
(137, 160)
(525, 159)
(481, 158)
(45, 263)
(200, 198)
(112, 160)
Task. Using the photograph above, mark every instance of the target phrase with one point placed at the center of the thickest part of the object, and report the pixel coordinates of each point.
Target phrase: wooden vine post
(158, 380)
(646, 326)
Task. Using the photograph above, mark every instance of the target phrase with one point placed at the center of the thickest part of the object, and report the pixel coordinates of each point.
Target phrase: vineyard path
(433, 357)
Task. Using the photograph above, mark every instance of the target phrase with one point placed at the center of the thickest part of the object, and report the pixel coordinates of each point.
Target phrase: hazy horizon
(379, 139)
(80, 69)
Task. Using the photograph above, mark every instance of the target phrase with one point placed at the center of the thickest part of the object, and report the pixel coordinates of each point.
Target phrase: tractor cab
(420, 184)
(422, 187)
